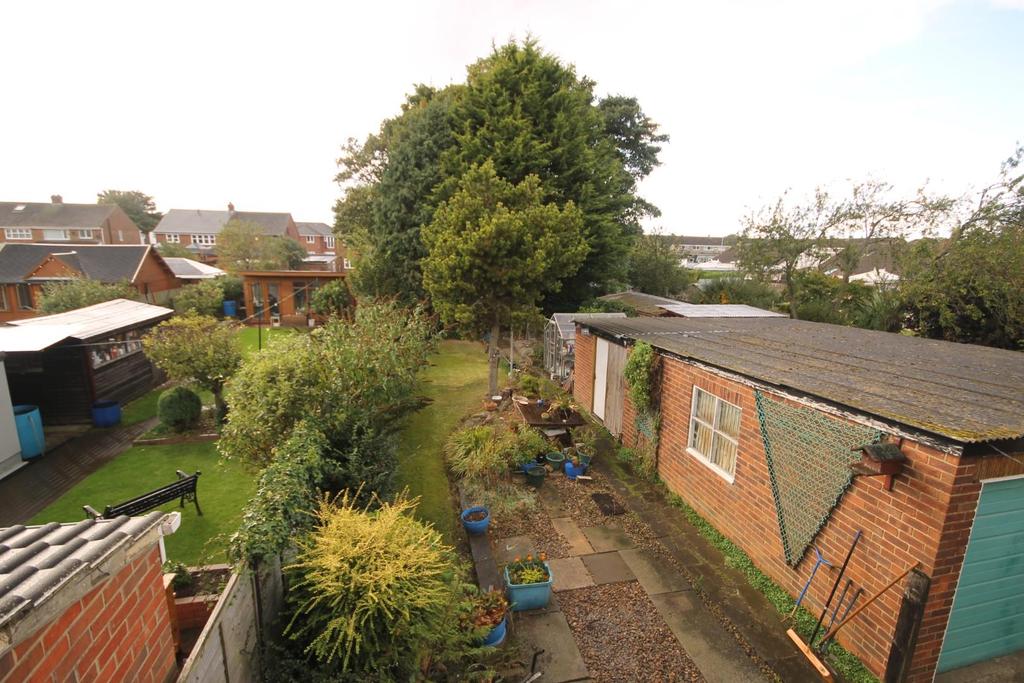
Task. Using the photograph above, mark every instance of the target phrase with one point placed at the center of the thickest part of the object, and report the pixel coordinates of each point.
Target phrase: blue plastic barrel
(106, 413)
(230, 309)
(30, 431)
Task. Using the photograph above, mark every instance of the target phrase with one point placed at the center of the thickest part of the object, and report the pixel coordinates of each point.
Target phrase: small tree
(196, 348)
(334, 298)
(169, 249)
(654, 268)
(204, 297)
(242, 245)
(495, 248)
(287, 251)
(58, 297)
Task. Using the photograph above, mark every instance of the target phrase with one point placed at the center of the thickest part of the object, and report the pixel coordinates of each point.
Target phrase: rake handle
(831, 634)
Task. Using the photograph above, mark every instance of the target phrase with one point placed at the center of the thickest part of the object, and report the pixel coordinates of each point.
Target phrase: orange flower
(529, 558)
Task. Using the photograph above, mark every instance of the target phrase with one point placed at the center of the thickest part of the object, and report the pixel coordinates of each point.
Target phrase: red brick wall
(925, 518)
(121, 229)
(583, 370)
(154, 276)
(120, 631)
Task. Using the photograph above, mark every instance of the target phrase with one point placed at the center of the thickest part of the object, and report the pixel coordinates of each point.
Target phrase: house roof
(701, 241)
(100, 320)
(49, 215)
(719, 311)
(963, 392)
(211, 222)
(644, 303)
(314, 229)
(187, 269)
(103, 262)
(566, 322)
(36, 562)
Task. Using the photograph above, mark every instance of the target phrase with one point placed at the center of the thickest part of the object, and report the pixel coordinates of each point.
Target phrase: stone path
(717, 626)
(48, 477)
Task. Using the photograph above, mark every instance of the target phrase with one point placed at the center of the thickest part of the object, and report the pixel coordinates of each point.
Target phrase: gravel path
(535, 523)
(622, 637)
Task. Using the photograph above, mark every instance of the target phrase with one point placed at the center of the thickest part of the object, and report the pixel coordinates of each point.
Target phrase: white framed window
(3, 297)
(204, 240)
(329, 242)
(347, 264)
(120, 235)
(714, 433)
(85, 234)
(310, 239)
(18, 233)
(172, 238)
(56, 235)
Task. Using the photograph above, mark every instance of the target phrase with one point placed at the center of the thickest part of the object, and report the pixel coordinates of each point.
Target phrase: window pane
(700, 440)
(705, 406)
(729, 419)
(724, 454)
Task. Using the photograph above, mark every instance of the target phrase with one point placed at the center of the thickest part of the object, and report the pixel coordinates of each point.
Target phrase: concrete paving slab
(655, 574)
(608, 568)
(607, 538)
(578, 543)
(551, 500)
(569, 573)
(487, 575)
(709, 645)
(506, 549)
(561, 660)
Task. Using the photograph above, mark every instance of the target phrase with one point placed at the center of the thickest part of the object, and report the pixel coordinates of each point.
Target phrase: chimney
(231, 207)
(56, 199)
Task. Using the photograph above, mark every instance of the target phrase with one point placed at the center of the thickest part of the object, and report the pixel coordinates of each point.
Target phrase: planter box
(526, 596)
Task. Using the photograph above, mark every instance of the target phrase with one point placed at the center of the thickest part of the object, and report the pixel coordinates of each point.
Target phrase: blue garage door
(988, 609)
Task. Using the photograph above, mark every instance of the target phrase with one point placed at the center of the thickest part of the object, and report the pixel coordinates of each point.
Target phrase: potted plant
(574, 465)
(555, 459)
(535, 475)
(476, 519)
(585, 440)
(490, 611)
(528, 582)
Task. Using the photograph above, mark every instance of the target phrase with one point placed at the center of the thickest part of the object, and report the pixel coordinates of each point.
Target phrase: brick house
(85, 602)
(62, 223)
(761, 424)
(325, 251)
(25, 268)
(197, 229)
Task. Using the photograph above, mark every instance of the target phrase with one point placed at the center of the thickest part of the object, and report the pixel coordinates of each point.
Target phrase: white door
(600, 377)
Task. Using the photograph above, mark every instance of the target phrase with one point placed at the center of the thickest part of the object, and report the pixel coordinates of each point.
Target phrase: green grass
(141, 409)
(456, 381)
(250, 337)
(224, 488)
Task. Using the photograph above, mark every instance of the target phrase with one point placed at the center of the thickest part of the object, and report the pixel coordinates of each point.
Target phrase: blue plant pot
(106, 413)
(529, 595)
(497, 634)
(476, 527)
(572, 471)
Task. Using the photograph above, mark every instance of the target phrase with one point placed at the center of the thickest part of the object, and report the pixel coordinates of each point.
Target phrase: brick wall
(925, 518)
(583, 370)
(120, 631)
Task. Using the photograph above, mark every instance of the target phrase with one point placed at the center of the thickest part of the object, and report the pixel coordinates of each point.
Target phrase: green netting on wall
(809, 456)
(647, 425)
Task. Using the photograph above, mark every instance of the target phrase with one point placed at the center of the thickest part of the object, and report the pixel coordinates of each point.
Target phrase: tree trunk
(220, 409)
(493, 355)
(791, 293)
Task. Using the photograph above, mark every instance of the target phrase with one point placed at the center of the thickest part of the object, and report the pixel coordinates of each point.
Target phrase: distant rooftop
(103, 262)
(321, 229)
(685, 310)
(187, 269)
(53, 215)
(648, 304)
(211, 222)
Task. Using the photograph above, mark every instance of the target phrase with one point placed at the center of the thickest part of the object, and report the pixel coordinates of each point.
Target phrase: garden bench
(183, 489)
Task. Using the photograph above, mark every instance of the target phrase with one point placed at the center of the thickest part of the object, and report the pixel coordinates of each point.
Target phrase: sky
(202, 103)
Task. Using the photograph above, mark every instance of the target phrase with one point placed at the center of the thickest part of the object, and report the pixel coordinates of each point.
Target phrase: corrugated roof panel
(719, 311)
(100, 319)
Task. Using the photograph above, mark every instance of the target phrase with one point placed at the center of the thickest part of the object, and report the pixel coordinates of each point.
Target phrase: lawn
(456, 381)
(224, 487)
(250, 337)
(141, 409)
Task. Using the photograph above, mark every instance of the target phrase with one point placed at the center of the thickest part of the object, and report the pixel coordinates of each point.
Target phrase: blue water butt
(30, 431)
(230, 309)
(106, 413)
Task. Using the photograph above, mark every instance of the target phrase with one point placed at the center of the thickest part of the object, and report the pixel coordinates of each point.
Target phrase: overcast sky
(203, 103)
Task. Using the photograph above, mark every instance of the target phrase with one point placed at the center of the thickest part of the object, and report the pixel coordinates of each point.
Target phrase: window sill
(730, 478)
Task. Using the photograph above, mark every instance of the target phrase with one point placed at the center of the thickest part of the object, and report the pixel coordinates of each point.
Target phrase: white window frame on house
(346, 264)
(56, 234)
(84, 234)
(172, 238)
(3, 297)
(24, 293)
(204, 240)
(310, 239)
(717, 434)
(329, 242)
(18, 233)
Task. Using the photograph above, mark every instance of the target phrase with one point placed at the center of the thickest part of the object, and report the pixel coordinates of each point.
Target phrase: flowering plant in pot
(490, 612)
(528, 582)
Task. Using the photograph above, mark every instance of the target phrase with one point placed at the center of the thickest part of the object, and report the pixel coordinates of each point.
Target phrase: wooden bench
(183, 489)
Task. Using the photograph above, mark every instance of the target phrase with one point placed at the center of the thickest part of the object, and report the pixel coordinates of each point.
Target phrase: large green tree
(654, 268)
(495, 248)
(139, 206)
(243, 245)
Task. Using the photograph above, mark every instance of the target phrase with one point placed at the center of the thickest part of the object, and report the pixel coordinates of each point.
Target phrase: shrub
(377, 592)
(476, 454)
(334, 298)
(204, 298)
(179, 408)
(58, 297)
(639, 373)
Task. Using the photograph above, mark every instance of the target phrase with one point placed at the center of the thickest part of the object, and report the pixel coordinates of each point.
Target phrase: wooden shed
(282, 297)
(65, 363)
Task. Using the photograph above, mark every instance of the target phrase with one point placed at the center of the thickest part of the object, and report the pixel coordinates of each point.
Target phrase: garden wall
(925, 518)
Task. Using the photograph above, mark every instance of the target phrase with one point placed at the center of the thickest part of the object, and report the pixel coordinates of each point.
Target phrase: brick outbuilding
(761, 426)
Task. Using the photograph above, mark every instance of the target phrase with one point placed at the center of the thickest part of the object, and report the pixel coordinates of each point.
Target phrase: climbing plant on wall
(641, 373)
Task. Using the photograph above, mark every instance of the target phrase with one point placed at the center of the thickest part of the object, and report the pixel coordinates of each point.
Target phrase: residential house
(197, 229)
(25, 268)
(60, 223)
(86, 601)
(325, 253)
(696, 250)
(771, 429)
(65, 363)
(282, 297)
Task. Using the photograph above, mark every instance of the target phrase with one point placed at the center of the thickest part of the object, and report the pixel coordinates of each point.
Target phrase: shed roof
(645, 303)
(187, 269)
(719, 311)
(963, 392)
(37, 561)
(566, 322)
(103, 262)
(101, 319)
(49, 215)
